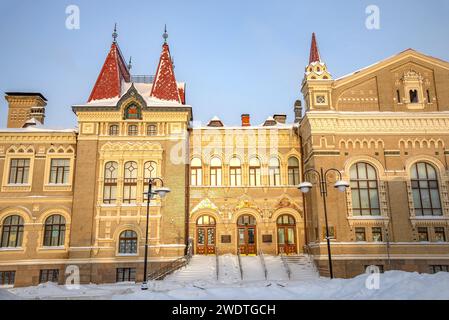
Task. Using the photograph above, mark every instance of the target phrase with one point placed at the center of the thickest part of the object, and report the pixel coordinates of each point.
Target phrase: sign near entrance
(226, 239)
(267, 238)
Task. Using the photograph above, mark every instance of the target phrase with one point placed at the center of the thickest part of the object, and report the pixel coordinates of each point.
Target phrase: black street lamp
(161, 192)
(341, 185)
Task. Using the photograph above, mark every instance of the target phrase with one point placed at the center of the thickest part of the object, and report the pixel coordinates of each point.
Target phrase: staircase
(275, 268)
(302, 269)
(200, 268)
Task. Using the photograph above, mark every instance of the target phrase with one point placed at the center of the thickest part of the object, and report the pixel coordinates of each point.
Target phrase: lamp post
(341, 185)
(161, 192)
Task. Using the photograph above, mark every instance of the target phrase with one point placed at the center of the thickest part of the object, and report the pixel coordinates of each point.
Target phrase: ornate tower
(316, 86)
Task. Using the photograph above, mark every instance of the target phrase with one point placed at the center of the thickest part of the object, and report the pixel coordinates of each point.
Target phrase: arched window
(206, 221)
(113, 130)
(293, 171)
(110, 182)
(254, 172)
(132, 130)
(54, 233)
(364, 190)
(274, 172)
(426, 192)
(215, 172)
(12, 232)
(196, 172)
(132, 112)
(151, 130)
(414, 96)
(128, 242)
(246, 220)
(235, 172)
(286, 219)
(130, 182)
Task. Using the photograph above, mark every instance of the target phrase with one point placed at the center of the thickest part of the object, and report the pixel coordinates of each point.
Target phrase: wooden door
(205, 243)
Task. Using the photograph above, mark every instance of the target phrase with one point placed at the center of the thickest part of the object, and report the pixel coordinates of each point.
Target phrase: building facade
(72, 201)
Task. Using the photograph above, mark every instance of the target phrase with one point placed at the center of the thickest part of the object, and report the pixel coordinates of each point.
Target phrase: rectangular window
(49, 275)
(254, 176)
(151, 130)
(215, 176)
(235, 174)
(113, 130)
(132, 130)
(59, 171)
(377, 234)
(293, 176)
(126, 275)
(360, 234)
(423, 234)
(331, 232)
(275, 176)
(439, 268)
(19, 171)
(130, 191)
(196, 176)
(7, 278)
(110, 191)
(440, 234)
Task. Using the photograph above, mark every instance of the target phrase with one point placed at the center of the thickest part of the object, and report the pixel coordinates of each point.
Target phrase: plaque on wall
(225, 239)
(267, 238)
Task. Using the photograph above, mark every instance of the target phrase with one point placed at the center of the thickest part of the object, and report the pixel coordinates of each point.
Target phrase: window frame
(151, 130)
(235, 173)
(18, 232)
(130, 183)
(293, 172)
(110, 182)
(114, 130)
(274, 173)
(132, 130)
(64, 174)
(126, 273)
(358, 190)
(216, 173)
(416, 186)
(128, 243)
(54, 230)
(11, 278)
(196, 173)
(254, 173)
(25, 171)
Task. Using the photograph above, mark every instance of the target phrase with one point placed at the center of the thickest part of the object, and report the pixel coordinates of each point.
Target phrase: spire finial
(115, 34)
(130, 63)
(314, 53)
(165, 35)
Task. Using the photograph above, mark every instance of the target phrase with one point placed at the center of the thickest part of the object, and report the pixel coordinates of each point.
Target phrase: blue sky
(236, 56)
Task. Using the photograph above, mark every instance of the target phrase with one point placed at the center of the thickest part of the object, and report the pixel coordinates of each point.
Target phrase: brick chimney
(24, 106)
(246, 120)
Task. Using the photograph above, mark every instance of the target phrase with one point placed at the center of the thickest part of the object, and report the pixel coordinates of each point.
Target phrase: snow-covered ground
(392, 285)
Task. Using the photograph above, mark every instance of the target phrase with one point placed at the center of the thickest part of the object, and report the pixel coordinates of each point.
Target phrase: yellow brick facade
(388, 117)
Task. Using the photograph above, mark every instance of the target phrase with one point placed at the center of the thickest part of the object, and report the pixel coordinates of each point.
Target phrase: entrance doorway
(205, 235)
(246, 233)
(286, 226)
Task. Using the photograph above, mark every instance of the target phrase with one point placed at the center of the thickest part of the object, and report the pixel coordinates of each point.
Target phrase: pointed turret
(112, 74)
(314, 53)
(165, 86)
(317, 83)
(316, 70)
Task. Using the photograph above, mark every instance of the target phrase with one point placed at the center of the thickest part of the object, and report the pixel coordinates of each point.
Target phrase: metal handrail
(310, 257)
(217, 262)
(240, 264)
(285, 263)
(264, 265)
(174, 265)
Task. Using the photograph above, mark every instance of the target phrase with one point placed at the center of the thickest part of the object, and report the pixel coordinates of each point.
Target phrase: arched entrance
(246, 234)
(205, 235)
(286, 226)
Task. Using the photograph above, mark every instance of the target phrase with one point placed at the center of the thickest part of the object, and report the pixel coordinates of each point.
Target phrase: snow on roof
(37, 129)
(144, 89)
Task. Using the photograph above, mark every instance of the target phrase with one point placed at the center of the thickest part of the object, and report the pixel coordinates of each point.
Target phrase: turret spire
(314, 53)
(165, 34)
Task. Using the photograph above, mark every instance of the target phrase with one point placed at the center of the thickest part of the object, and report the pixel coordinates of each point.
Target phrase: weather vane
(114, 34)
(165, 35)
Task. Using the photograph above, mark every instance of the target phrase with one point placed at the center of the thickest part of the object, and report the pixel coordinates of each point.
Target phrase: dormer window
(414, 96)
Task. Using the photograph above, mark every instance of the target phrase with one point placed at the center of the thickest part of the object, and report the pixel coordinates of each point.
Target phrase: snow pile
(392, 285)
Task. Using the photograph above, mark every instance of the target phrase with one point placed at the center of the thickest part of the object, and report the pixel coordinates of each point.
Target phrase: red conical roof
(314, 53)
(112, 74)
(165, 86)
